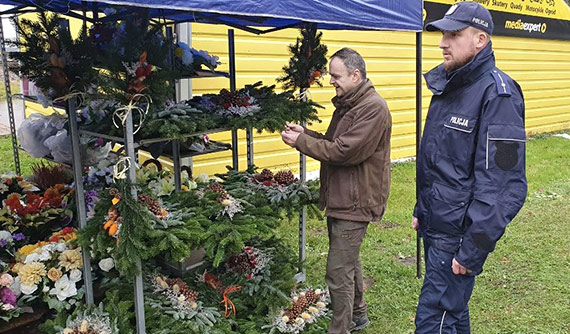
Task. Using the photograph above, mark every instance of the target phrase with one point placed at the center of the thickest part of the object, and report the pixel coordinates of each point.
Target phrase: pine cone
(239, 263)
(311, 297)
(115, 193)
(301, 303)
(152, 204)
(184, 289)
(265, 175)
(284, 177)
(217, 188)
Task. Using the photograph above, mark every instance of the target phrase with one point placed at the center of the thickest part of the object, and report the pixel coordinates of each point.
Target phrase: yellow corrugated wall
(542, 68)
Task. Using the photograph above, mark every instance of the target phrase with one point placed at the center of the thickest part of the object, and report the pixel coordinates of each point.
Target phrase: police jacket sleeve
(352, 147)
(500, 182)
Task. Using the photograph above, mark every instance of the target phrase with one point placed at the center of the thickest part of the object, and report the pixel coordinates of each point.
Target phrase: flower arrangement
(90, 321)
(8, 298)
(307, 307)
(10, 183)
(50, 270)
(35, 215)
(174, 298)
(250, 262)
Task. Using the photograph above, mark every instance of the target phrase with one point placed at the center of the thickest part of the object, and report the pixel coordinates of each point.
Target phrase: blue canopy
(327, 14)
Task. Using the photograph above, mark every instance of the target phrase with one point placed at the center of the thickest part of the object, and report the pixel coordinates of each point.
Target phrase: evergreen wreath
(308, 61)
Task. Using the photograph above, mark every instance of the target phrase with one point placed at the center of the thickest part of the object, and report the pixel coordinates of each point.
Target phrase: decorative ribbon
(304, 95)
(228, 304)
(121, 168)
(123, 112)
(69, 95)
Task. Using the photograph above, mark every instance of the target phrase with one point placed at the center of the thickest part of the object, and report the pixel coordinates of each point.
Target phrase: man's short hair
(352, 60)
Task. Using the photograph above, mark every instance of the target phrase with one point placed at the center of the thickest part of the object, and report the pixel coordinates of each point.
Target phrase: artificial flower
(28, 289)
(75, 275)
(71, 259)
(6, 280)
(31, 273)
(54, 274)
(64, 288)
(107, 264)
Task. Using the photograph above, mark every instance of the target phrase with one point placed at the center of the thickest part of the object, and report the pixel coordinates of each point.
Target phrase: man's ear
(356, 76)
(482, 39)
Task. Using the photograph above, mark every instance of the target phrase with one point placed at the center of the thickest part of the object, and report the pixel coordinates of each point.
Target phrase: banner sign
(546, 19)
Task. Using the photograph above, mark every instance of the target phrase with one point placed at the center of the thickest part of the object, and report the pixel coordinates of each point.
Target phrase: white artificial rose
(28, 289)
(6, 236)
(34, 257)
(15, 287)
(45, 255)
(64, 288)
(107, 264)
(75, 275)
(61, 247)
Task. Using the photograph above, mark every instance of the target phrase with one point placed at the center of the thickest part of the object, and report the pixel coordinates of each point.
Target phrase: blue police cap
(464, 14)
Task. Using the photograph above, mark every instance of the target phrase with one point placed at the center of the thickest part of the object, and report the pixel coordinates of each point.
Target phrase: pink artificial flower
(6, 279)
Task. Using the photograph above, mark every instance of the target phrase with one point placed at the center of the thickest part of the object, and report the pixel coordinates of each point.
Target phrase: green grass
(524, 287)
(7, 158)
(14, 88)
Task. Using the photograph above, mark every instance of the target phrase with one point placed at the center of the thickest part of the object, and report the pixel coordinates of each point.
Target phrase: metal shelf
(187, 153)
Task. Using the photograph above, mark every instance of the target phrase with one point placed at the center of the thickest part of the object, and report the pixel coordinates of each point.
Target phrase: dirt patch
(368, 283)
(407, 260)
(318, 231)
(388, 224)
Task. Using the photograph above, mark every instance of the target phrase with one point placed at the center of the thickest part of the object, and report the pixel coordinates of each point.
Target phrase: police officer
(471, 166)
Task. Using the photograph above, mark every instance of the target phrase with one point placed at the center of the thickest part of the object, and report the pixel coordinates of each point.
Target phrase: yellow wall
(542, 68)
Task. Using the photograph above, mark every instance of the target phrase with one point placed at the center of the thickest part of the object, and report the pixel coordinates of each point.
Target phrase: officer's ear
(481, 38)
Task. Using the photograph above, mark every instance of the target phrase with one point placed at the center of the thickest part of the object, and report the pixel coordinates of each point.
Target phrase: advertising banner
(548, 19)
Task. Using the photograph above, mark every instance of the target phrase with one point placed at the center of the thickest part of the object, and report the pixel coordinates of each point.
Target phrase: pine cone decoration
(115, 193)
(265, 175)
(301, 303)
(311, 297)
(217, 188)
(292, 315)
(152, 204)
(284, 177)
(240, 263)
(184, 289)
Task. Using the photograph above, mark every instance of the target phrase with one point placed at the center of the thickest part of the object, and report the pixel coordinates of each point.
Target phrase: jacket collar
(353, 97)
(439, 81)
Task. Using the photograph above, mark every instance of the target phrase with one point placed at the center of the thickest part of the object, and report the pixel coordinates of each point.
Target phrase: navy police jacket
(471, 165)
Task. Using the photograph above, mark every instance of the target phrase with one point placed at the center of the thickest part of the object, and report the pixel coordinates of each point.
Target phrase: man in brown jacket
(355, 180)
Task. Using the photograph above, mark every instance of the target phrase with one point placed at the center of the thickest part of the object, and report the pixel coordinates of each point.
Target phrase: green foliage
(308, 61)
(51, 57)
(140, 236)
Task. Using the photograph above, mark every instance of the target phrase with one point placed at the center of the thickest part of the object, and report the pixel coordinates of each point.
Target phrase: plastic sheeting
(327, 14)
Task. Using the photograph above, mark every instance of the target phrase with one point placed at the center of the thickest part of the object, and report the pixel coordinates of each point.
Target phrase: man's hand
(289, 137)
(415, 223)
(458, 269)
(294, 128)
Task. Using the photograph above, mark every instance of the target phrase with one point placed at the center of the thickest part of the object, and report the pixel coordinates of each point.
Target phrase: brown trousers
(344, 272)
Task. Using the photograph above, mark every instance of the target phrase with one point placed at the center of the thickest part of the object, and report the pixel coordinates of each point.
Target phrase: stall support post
(232, 57)
(131, 174)
(302, 274)
(9, 101)
(71, 109)
(418, 140)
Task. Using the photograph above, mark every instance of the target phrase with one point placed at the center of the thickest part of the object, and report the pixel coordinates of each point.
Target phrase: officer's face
(459, 47)
(343, 80)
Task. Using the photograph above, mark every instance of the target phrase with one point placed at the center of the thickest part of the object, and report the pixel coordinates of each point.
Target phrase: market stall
(130, 222)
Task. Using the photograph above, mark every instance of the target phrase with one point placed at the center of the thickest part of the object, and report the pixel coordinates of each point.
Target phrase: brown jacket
(354, 155)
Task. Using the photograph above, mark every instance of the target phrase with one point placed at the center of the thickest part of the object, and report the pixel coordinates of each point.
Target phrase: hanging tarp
(543, 19)
(328, 14)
